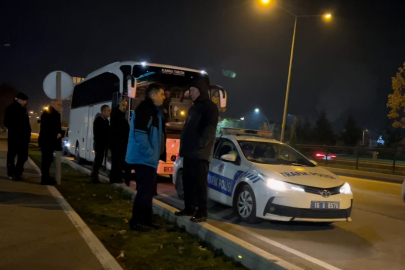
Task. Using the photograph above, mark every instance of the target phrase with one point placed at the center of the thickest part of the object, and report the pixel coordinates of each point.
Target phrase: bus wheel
(179, 185)
(78, 159)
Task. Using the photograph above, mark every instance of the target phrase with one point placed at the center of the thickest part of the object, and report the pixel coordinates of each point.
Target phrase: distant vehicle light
(202, 71)
(143, 64)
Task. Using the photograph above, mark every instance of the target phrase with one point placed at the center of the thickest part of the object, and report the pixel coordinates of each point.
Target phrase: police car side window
(226, 147)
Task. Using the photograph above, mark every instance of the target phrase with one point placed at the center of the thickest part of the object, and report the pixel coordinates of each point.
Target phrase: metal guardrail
(381, 160)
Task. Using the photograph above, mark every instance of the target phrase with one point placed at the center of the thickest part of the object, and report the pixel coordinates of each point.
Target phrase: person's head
(156, 93)
(194, 93)
(199, 89)
(123, 106)
(105, 111)
(22, 99)
(167, 94)
(57, 105)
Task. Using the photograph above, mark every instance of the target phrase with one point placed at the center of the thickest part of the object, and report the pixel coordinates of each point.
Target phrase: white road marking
(263, 238)
(106, 259)
(283, 247)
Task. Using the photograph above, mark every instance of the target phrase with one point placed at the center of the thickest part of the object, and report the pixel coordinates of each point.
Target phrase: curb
(382, 177)
(247, 254)
(107, 261)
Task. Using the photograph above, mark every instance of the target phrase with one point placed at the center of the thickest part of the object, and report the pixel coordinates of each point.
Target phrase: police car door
(224, 173)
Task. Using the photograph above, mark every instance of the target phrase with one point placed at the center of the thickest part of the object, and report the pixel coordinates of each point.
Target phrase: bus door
(89, 142)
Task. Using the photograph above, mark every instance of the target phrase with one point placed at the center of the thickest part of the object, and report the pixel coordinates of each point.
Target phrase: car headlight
(282, 186)
(345, 189)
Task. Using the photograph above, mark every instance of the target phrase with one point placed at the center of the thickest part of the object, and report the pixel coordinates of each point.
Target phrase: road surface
(373, 240)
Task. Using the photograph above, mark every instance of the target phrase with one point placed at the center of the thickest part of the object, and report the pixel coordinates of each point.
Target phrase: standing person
(196, 147)
(17, 122)
(101, 129)
(49, 138)
(166, 105)
(119, 132)
(147, 144)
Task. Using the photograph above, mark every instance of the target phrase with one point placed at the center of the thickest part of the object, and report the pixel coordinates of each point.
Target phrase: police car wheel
(245, 204)
(179, 185)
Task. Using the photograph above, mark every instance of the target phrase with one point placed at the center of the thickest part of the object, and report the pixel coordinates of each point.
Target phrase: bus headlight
(345, 189)
(282, 186)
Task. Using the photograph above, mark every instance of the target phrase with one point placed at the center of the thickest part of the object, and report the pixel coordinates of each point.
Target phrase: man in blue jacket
(146, 146)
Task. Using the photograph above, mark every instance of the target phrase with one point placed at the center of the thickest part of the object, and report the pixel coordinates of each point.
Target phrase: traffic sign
(50, 85)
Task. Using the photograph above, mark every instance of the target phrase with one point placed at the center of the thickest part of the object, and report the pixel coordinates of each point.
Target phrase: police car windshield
(273, 153)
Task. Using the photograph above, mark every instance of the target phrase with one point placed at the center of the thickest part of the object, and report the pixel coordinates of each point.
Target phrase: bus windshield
(176, 84)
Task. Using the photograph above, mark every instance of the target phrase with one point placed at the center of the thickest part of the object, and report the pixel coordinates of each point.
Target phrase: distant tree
(304, 132)
(228, 123)
(352, 133)
(323, 133)
(396, 100)
(7, 94)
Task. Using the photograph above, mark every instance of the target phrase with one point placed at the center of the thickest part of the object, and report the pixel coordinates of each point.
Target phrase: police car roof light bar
(247, 132)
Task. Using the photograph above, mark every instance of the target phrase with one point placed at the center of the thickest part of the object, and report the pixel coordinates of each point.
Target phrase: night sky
(342, 66)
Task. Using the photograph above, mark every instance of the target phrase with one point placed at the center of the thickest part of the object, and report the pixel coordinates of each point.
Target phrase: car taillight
(332, 156)
(320, 155)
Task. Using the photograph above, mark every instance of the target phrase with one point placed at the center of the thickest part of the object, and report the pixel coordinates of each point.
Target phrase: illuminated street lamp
(257, 110)
(242, 118)
(46, 108)
(326, 16)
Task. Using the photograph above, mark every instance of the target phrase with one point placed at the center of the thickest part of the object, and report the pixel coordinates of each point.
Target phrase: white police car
(264, 178)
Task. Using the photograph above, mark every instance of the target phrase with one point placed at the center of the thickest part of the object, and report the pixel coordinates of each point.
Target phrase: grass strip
(107, 210)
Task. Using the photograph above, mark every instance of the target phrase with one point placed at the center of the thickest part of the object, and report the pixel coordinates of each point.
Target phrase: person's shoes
(17, 178)
(11, 177)
(95, 181)
(49, 183)
(115, 182)
(140, 227)
(199, 218)
(184, 212)
(154, 226)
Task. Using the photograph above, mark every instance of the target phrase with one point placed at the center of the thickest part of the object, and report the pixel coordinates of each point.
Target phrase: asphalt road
(373, 240)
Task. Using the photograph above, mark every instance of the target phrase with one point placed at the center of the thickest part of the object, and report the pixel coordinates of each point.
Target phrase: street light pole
(364, 131)
(287, 91)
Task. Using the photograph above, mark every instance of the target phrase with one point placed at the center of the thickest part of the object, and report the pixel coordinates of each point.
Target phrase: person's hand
(164, 110)
(59, 136)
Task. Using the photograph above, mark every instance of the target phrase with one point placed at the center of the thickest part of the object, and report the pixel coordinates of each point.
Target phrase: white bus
(110, 84)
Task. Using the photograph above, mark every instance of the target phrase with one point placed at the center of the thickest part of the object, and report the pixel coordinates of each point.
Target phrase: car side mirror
(314, 162)
(222, 98)
(229, 157)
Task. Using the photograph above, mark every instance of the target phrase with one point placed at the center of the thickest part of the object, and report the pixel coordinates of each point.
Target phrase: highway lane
(373, 240)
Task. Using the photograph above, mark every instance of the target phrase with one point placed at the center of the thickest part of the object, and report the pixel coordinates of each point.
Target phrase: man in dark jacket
(118, 142)
(146, 145)
(17, 121)
(49, 138)
(196, 147)
(101, 129)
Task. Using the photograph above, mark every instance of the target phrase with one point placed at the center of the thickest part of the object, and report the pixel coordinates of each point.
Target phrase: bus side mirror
(222, 98)
(131, 87)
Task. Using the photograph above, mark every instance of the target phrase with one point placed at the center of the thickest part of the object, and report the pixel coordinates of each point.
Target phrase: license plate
(325, 205)
(168, 169)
